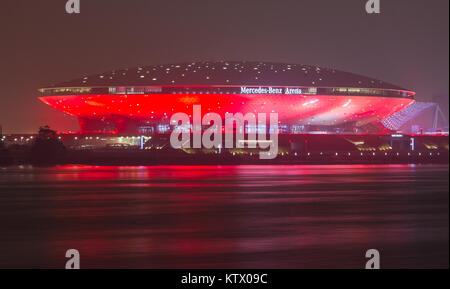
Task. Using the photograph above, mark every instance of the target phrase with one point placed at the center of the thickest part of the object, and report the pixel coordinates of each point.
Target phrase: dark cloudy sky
(407, 44)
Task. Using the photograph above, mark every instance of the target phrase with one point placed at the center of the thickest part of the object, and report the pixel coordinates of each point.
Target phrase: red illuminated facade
(306, 98)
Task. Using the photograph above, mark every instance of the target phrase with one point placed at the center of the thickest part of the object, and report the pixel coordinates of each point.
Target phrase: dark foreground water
(225, 216)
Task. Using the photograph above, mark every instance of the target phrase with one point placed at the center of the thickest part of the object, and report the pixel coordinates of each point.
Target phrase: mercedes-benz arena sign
(142, 100)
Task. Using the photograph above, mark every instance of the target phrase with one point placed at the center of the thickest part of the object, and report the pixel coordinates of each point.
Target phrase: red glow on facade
(322, 110)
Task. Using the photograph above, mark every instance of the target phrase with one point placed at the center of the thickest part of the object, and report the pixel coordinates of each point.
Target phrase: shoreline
(145, 158)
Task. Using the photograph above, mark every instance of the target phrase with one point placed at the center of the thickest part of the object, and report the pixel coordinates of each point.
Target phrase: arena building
(307, 98)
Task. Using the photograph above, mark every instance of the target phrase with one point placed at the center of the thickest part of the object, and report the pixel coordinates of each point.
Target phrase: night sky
(407, 44)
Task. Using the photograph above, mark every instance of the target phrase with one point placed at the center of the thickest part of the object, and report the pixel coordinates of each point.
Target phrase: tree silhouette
(5, 156)
(47, 149)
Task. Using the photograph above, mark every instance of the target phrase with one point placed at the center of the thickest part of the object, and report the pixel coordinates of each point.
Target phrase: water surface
(225, 216)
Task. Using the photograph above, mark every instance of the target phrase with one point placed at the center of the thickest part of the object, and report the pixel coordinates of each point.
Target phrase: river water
(225, 216)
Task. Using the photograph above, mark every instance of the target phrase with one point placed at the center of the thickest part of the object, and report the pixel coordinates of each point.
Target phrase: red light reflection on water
(226, 216)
